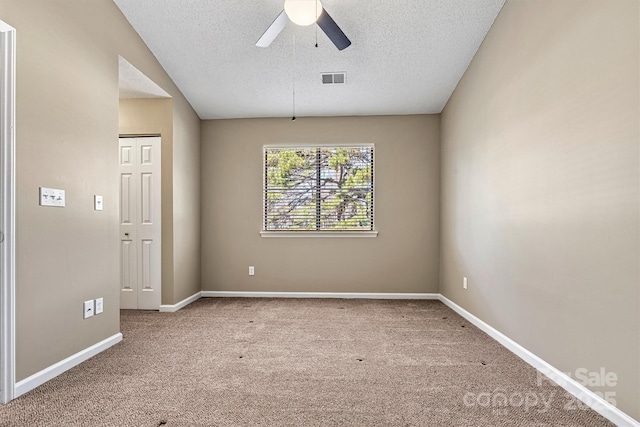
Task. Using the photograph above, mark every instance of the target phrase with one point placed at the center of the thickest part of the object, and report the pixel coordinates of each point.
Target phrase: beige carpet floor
(284, 362)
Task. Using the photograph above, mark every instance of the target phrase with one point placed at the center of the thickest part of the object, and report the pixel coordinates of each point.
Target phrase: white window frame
(320, 234)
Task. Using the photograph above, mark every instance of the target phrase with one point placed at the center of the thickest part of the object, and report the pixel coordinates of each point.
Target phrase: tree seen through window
(318, 189)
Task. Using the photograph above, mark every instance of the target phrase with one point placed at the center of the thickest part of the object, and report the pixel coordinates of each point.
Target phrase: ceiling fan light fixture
(303, 12)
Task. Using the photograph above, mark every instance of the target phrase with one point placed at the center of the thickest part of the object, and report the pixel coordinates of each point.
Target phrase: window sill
(319, 233)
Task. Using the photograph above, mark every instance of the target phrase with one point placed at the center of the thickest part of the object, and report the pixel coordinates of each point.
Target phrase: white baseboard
(342, 295)
(591, 399)
(166, 308)
(53, 371)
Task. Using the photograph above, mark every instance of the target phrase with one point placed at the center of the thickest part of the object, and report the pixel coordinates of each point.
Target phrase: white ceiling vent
(334, 78)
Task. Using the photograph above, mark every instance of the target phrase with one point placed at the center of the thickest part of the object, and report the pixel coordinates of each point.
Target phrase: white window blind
(318, 188)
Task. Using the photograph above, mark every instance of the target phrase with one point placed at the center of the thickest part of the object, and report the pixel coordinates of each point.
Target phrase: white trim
(7, 211)
(343, 295)
(591, 399)
(319, 233)
(172, 308)
(53, 371)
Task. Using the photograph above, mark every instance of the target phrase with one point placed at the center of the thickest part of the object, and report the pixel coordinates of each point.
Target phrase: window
(318, 189)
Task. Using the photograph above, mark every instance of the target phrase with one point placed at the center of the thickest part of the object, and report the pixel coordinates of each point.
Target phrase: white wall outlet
(464, 283)
(52, 197)
(252, 271)
(88, 309)
(99, 305)
(97, 202)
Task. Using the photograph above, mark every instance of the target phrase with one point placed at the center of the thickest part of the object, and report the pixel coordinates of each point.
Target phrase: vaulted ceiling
(405, 58)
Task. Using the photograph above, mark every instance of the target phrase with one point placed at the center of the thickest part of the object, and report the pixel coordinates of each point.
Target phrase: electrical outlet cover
(99, 305)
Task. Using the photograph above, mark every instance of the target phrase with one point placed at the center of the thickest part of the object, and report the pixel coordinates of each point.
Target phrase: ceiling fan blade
(331, 29)
(274, 29)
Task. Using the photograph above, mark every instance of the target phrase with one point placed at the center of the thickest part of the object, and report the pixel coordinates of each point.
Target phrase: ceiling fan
(305, 12)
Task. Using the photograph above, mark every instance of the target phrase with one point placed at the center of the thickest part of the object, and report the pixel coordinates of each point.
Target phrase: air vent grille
(334, 78)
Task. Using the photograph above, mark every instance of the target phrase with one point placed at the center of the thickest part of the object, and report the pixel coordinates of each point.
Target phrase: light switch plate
(88, 309)
(97, 202)
(99, 305)
(52, 197)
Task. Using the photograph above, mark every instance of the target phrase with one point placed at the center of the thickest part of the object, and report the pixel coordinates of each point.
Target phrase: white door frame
(7, 211)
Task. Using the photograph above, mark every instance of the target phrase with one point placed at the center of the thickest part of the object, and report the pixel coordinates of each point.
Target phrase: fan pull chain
(316, 23)
(293, 79)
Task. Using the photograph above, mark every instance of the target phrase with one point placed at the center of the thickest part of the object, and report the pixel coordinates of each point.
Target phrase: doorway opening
(145, 154)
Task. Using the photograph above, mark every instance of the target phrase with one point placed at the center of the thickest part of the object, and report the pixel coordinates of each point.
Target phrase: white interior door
(140, 226)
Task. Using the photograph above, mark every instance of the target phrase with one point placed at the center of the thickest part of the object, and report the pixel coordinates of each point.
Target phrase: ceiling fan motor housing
(303, 12)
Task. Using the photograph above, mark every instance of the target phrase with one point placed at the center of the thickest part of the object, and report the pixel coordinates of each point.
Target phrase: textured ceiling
(406, 57)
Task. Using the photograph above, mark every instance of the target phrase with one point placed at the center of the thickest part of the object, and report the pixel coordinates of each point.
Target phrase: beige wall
(67, 132)
(403, 258)
(186, 204)
(540, 186)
